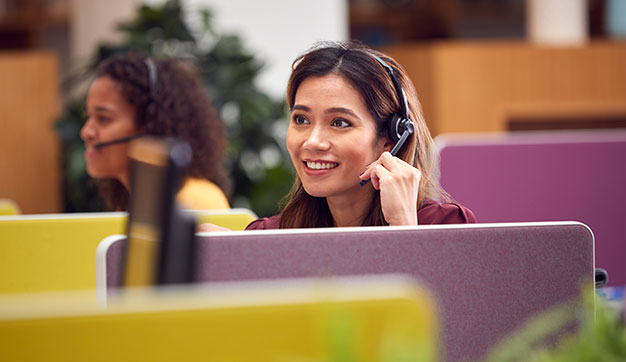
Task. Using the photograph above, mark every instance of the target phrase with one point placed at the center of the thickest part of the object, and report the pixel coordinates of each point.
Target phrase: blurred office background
(478, 65)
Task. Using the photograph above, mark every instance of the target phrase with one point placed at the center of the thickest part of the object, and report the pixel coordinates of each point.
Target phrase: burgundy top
(432, 212)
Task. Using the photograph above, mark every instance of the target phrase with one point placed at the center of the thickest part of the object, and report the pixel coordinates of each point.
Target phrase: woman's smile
(319, 167)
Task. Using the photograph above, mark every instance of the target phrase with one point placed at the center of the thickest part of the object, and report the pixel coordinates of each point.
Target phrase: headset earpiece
(403, 128)
(394, 128)
(398, 125)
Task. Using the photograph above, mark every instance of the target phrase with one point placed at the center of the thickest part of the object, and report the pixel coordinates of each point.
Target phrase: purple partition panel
(545, 176)
(487, 279)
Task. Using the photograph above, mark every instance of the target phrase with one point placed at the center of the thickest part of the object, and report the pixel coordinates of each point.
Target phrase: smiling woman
(347, 104)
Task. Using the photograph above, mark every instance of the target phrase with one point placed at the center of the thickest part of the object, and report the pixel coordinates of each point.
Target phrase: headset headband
(404, 107)
(152, 75)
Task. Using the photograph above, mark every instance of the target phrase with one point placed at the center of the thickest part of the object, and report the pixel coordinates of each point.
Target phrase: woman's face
(331, 137)
(109, 116)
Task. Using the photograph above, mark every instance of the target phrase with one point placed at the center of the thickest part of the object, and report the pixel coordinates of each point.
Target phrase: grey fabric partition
(487, 278)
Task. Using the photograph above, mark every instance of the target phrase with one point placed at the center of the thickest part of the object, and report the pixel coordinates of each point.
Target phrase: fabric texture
(200, 194)
(430, 213)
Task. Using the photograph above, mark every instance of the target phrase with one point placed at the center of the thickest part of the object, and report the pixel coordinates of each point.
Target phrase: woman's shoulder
(202, 194)
(433, 212)
(265, 223)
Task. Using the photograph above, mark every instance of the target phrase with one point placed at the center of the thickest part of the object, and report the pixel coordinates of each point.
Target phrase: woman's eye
(102, 119)
(341, 123)
(297, 119)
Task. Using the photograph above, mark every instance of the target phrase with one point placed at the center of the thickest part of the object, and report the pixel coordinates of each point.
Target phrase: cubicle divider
(351, 319)
(544, 176)
(50, 252)
(486, 278)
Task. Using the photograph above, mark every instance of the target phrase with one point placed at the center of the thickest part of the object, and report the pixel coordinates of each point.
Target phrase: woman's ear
(388, 145)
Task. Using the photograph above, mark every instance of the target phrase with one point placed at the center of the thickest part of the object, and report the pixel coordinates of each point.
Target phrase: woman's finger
(366, 173)
(377, 173)
(393, 163)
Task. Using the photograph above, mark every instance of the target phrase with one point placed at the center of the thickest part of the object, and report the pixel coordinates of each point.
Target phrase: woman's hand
(398, 183)
(210, 227)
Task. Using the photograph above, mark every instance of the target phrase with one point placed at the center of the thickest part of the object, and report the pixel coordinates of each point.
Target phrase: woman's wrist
(408, 220)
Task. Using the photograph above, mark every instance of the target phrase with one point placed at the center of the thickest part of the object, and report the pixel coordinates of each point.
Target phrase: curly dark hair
(169, 102)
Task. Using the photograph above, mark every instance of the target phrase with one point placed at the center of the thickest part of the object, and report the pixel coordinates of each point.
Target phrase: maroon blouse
(432, 212)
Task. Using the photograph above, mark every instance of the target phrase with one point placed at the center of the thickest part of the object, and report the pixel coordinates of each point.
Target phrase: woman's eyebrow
(301, 107)
(102, 109)
(342, 110)
(328, 111)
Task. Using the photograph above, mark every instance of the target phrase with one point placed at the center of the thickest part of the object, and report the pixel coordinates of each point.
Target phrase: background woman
(134, 95)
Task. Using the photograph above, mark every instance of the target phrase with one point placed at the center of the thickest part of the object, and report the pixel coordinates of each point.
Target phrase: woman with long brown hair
(355, 117)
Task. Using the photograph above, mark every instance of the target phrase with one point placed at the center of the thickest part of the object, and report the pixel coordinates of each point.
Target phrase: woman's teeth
(321, 165)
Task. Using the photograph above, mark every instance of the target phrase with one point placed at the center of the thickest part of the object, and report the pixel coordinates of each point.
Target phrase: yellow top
(8, 207)
(201, 194)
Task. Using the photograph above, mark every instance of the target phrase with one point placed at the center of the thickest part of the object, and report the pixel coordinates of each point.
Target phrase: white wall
(95, 21)
(277, 31)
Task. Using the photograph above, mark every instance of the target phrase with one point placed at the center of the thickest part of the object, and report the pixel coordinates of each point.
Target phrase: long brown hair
(355, 63)
(173, 103)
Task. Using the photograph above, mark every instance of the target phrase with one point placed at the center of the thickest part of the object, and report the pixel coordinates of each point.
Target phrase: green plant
(601, 336)
(257, 163)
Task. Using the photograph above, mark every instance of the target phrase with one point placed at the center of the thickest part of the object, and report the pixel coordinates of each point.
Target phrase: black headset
(401, 125)
(152, 76)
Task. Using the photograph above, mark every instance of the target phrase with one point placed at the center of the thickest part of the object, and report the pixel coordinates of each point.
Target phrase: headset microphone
(116, 141)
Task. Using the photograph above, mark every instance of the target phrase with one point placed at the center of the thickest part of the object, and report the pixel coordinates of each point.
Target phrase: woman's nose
(87, 132)
(317, 140)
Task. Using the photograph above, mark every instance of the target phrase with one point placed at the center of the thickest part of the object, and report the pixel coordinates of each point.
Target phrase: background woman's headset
(401, 126)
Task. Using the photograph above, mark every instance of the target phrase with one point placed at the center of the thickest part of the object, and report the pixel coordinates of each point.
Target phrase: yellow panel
(235, 219)
(374, 321)
(57, 251)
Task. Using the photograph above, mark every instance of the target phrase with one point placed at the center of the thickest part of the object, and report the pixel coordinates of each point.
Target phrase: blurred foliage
(257, 163)
(601, 335)
(400, 339)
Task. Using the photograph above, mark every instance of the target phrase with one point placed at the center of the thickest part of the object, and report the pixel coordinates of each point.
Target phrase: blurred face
(331, 137)
(109, 116)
